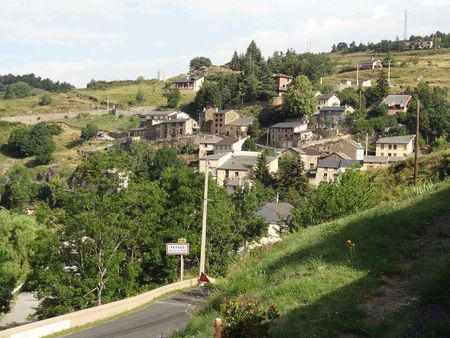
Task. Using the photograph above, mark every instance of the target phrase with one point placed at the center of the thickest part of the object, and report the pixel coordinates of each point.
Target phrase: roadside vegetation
(382, 272)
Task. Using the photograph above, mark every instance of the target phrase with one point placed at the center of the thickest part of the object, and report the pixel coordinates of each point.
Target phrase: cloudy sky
(77, 40)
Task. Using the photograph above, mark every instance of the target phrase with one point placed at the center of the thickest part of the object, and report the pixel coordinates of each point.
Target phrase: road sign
(177, 249)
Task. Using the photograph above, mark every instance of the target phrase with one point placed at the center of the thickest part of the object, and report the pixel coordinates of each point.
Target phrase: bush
(89, 131)
(439, 144)
(45, 100)
(244, 317)
(18, 90)
(140, 96)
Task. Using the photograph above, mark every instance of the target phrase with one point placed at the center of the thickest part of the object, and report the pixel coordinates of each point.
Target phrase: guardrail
(82, 317)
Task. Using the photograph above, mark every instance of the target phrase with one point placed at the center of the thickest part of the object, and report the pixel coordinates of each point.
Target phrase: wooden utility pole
(367, 143)
(416, 146)
(204, 218)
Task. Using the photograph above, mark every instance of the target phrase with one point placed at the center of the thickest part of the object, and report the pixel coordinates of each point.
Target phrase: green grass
(321, 292)
(60, 102)
(118, 93)
(106, 122)
(433, 66)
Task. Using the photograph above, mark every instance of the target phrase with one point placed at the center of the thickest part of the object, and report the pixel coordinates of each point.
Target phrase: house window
(382, 146)
(382, 154)
(236, 173)
(390, 146)
(389, 154)
(311, 166)
(395, 146)
(325, 175)
(404, 154)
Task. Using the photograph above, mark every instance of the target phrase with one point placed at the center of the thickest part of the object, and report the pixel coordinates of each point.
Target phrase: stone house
(238, 127)
(282, 83)
(328, 170)
(397, 103)
(395, 146)
(372, 63)
(308, 156)
(330, 117)
(288, 134)
(222, 117)
(371, 161)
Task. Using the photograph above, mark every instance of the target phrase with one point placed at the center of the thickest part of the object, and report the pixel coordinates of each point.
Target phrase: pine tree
(262, 173)
(235, 63)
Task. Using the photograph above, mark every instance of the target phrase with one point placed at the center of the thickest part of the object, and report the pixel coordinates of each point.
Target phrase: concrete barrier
(78, 318)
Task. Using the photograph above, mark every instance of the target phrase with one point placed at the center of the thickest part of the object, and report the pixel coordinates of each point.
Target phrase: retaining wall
(78, 318)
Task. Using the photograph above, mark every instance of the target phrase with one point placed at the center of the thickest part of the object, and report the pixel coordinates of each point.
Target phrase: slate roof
(333, 108)
(211, 140)
(396, 139)
(187, 80)
(325, 96)
(282, 75)
(289, 124)
(381, 159)
(160, 112)
(241, 121)
(242, 163)
(397, 100)
(336, 164)
(223, 111)
(275, 212)
(227, 141)
(305, 151)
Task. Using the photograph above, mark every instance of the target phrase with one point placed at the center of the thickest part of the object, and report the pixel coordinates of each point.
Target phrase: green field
(106, 122)
(119, 94)
(394, 284)
(433, 66)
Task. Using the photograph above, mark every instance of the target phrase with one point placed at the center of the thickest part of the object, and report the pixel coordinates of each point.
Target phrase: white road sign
(177, 249)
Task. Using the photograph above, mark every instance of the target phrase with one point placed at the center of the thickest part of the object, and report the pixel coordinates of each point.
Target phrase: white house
(327, 100)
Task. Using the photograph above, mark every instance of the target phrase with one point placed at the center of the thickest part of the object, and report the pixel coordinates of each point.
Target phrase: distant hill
(409, 67)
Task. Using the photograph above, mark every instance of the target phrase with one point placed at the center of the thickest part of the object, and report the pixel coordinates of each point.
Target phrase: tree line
(34, 81)
(442, 40)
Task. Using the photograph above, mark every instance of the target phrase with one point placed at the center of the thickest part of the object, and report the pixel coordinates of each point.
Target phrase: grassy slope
(88, 99)
(438, 73)
(320, 292)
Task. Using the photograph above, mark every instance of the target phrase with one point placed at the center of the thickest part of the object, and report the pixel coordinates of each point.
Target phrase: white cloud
(436, 3)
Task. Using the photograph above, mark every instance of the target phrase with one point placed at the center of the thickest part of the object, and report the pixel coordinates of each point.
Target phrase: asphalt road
(158, 320)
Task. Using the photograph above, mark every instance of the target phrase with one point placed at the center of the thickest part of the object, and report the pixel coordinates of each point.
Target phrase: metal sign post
(178, 249)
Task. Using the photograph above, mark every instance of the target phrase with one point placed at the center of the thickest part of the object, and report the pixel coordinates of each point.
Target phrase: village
(221, 135)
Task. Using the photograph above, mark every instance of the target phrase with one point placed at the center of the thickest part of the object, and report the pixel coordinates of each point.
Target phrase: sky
(80, 40)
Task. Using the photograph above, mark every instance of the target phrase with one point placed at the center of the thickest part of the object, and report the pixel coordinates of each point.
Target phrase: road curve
(156, 321)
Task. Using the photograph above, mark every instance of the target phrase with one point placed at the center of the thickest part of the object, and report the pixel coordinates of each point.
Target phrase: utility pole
(416, 146)
(107, 104)
(367, 143)
(389, 72)
(357, 75)
(204, 218)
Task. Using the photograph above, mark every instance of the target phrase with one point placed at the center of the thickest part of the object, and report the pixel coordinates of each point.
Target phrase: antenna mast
(406, 24)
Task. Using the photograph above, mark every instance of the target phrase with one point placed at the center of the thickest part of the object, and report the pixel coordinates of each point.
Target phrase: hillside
(119, 92)
(433, 66)
(395, 284)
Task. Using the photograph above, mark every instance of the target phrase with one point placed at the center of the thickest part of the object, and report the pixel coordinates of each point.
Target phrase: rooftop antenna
(406, 24)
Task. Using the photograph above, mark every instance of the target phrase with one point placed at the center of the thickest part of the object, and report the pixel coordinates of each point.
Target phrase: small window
(390, 146)
(404, 154)
(382, 147)
(325, 175)
(395, 146)
(236, 173)
(389, 154)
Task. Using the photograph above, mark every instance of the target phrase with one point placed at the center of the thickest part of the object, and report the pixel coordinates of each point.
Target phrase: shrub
(89, 131)
(244, 317)
(439, 144)
(18, 90)
(45, 100)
